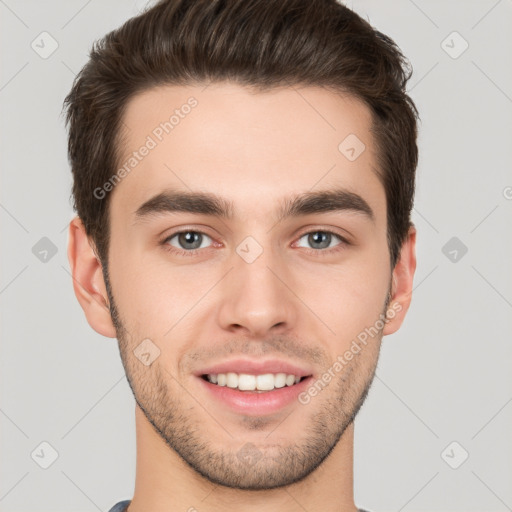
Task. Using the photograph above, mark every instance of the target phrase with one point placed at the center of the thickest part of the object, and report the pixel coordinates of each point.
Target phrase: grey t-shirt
(121, 507)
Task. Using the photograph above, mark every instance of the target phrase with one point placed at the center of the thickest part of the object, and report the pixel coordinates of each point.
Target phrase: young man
(243, 177)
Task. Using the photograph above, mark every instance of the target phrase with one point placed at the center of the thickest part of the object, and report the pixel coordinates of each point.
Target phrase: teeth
(246, 382)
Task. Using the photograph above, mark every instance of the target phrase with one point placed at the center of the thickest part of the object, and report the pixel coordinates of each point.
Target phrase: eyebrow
(206, 203)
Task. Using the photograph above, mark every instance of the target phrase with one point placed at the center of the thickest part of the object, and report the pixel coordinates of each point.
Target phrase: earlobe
(402, 281)
(88, 282)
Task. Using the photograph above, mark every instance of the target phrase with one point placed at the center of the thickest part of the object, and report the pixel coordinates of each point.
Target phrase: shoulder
(121, 506)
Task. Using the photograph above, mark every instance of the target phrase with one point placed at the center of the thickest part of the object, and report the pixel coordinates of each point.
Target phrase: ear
(401, 290)
(88, 283)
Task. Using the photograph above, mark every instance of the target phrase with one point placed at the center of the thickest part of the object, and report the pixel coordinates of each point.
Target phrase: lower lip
(256, 404)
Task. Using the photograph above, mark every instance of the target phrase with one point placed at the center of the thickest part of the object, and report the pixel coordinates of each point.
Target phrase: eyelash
(315, 252)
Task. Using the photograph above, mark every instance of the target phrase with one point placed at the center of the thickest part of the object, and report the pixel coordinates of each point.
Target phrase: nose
(257, 298)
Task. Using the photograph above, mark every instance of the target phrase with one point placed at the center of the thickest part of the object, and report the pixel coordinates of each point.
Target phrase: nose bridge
(254, 295)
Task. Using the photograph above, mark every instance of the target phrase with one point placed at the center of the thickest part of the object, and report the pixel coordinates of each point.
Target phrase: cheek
(145, 298)
(347, 298)
(158, 300)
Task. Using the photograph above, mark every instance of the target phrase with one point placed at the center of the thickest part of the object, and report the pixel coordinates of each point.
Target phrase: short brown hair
(259, 43)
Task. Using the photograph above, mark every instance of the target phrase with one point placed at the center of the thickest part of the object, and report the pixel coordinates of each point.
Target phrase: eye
(322, 239)
(186, 242)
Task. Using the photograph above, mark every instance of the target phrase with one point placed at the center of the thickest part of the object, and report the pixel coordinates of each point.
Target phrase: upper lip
(255, 367)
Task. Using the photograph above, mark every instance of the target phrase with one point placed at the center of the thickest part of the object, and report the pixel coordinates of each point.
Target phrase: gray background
(444, 378)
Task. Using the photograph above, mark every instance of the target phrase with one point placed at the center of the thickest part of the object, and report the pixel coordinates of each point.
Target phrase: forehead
(253, 148)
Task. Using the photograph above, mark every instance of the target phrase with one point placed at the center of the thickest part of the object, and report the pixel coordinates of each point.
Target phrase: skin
(254, 149)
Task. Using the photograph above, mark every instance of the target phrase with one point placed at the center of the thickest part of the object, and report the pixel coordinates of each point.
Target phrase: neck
(165, 483)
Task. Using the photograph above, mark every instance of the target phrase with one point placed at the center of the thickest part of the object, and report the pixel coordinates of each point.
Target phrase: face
(190, 288)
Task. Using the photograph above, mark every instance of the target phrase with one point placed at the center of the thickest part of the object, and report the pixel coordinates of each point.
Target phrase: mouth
(254, 383)
(241, 392)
